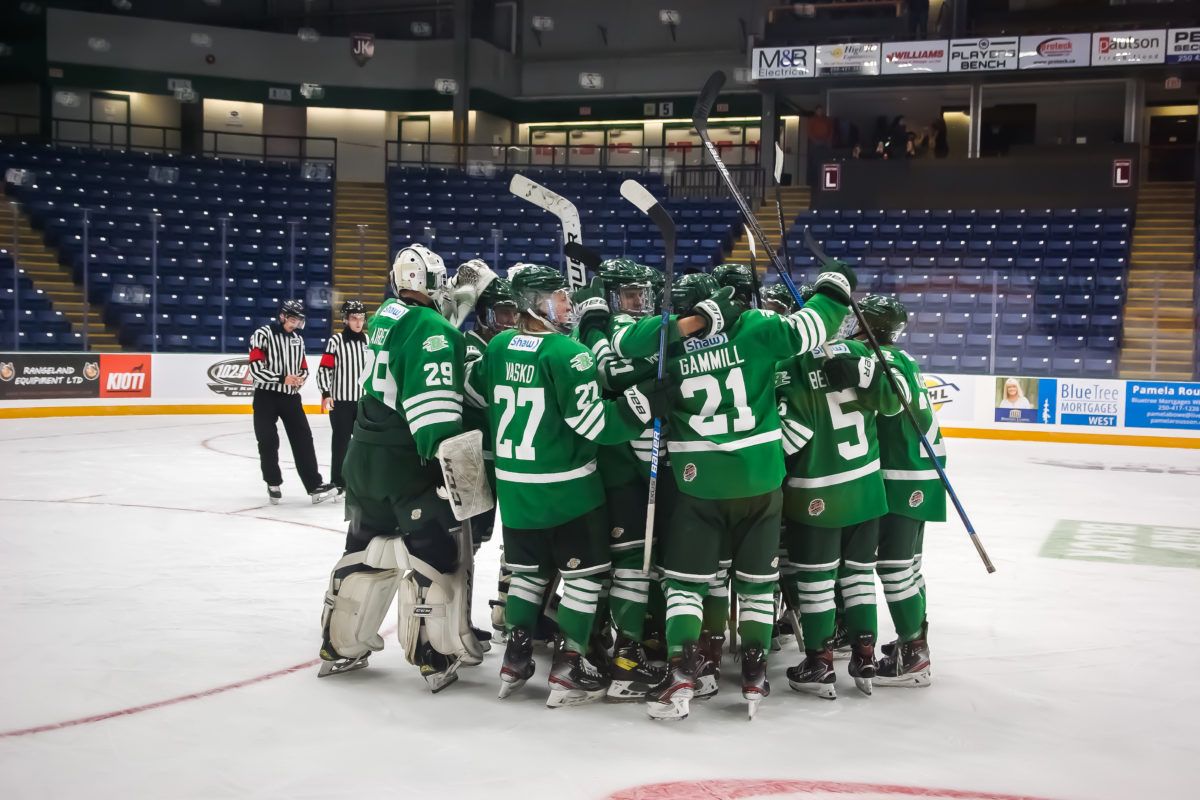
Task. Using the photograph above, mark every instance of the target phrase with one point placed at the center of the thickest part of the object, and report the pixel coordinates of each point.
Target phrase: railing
(12, 124)
(685, 169)
(230, 144)
(122, 136)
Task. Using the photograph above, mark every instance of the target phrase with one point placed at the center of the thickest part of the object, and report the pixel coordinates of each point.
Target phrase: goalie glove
(464, 288)
(849, 372)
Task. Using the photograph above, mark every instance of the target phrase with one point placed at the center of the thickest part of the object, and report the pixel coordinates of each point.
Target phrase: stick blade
(520, 185)
(582, 254)
(750, 240)
(778, 164)
(814, 247)
(708, 97)
(637, 194)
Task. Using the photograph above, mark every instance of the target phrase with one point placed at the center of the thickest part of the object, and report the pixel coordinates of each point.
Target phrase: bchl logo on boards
(125, 376)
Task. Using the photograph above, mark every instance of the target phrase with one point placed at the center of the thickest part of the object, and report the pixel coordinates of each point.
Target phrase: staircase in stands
(795, 200)
(41, 266)
(358, 203)
(1160, 305)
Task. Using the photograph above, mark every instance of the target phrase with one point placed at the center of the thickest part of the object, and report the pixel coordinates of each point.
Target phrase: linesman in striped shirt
(279, 368)
(339, 377)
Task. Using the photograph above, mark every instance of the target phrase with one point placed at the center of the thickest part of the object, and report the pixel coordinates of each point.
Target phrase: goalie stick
(635, 193)
(568, 217)
(704, 104)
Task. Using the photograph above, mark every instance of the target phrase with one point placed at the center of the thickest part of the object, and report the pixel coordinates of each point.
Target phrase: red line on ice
(731, 789)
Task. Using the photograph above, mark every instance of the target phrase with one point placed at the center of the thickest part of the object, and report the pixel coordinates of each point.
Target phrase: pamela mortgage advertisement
(1183, 46)
(906, 58)
(1115, 48)
(848, 59)
(777, 63)
(1055, 52)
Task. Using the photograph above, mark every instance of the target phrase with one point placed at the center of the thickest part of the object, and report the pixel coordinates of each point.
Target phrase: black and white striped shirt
(340, 374)
(275, 354)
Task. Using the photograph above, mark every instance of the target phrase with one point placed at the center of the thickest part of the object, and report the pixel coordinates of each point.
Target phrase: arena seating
(257, 198)
(1046, 287)
(41, 327)
(463, 210)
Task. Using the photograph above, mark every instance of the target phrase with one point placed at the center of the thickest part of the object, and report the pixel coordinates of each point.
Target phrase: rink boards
(1069, 409)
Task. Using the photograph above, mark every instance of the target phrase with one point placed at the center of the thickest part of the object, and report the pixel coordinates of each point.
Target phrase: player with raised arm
(915, 496)
(542, 393)
(833, 500)
(403, 536)
(727, 460)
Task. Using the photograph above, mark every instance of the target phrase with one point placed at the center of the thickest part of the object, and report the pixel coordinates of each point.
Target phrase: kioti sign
(125, 375)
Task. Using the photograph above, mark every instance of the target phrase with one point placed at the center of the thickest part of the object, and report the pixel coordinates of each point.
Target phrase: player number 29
(439, 374)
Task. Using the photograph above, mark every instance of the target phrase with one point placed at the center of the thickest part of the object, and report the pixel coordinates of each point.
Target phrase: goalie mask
(542, 293)
(630, 287)
(419, 269)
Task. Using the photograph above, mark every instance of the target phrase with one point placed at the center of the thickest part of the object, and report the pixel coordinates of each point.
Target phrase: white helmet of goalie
(419, 269)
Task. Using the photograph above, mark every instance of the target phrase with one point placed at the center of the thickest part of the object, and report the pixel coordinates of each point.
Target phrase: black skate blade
(339, 667)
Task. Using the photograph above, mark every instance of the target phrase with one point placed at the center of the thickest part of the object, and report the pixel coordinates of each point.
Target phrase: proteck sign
(906, 58)
(1055, 52)
(983, 55)
(1183, 46)
(1115, 48)
(777, 63)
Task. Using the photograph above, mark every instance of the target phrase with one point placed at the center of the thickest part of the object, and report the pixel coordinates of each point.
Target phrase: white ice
(142, 563)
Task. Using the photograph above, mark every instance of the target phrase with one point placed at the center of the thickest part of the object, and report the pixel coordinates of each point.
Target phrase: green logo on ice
(1148, 545)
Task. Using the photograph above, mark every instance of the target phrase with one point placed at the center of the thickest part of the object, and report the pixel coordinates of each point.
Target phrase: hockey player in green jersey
(915, 496)
(547, 418)
(727, 459)
(778, 298)
(622, 294)
(833, 499)
(741, 279)
(403, 536)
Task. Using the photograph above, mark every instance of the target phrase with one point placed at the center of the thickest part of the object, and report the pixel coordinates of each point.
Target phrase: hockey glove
(648, 401)
(837, 282)
(591, 307)
(849, 372)
(719, 312)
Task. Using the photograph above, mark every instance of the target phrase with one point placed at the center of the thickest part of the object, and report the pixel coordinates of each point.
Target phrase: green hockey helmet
(740, 278)
(778, 298)
(690, 289)
(885, 315)
(542, 293)
(807, 290)
(630, 286)
(496, 309)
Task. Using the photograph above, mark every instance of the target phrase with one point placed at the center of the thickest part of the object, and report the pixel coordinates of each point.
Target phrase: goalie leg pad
(360, 592)
(437, 600)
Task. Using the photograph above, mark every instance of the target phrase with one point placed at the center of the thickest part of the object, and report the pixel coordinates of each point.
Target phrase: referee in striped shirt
(339, 379)
(278, 368)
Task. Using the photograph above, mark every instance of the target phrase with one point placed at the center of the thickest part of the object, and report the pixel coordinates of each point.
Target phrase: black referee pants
(341, 419)
(270, 407)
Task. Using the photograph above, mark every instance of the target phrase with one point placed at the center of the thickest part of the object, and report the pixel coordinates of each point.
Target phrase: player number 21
(708, 422)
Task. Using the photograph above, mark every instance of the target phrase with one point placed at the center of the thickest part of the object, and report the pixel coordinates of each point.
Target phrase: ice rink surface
(160, 625)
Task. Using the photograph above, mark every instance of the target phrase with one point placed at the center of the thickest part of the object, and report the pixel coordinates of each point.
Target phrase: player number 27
(511, 398)
(708, 422)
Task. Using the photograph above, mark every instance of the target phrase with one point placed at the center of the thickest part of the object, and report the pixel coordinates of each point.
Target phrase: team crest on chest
(435, 343)
(582, 362)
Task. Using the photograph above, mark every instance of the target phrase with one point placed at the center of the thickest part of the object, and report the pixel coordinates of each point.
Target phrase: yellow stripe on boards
(1070, 437)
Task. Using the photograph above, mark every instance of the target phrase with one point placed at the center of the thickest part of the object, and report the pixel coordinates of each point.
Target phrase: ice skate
(574, 681)
(907, 665)
(814, 675)
(274, 494)
(755, 685)
(654, 643)
(670, 700)
(438, 670)
(841, 642)
(483, 637)
(862, 661)
(518, 663)
(322, 493)
(632, 674)
(332, 663)
(708, 679)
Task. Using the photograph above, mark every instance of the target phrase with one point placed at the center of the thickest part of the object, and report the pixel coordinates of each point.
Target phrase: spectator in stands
(879, 137)
(820, 141)
(939, 143)
(918, 17)
(897, 138)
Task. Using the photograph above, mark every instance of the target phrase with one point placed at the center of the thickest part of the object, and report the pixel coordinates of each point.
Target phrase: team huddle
(787, 481)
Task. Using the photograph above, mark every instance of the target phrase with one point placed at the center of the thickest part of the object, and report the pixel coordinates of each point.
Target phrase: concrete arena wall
(1085, 410)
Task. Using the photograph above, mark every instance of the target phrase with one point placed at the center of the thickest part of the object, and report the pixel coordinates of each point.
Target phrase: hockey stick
(584, 255)
(568, 217)
(704, 104)
(783, 242)
(904, 404)
(754, 265)
(635, 193)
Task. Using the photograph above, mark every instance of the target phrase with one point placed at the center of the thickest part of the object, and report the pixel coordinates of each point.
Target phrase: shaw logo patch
(916, 498)
(529, 344)
(435, 343)
(816, 508)
(582, 362)
(689, 473)
(393, 310)
(692, 345)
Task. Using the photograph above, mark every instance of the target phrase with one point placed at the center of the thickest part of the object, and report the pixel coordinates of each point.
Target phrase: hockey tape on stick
(568, 218)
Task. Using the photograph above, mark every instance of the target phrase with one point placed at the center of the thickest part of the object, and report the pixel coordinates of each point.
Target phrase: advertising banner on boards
(983, 55)
(858, 58)
(1117, 48)
(782, 63)
(1056, 51)
(1183, 46)
(908, 58)
(36, 376)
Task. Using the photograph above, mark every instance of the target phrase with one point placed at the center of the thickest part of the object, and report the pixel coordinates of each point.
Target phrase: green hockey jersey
(476, 419)
(834, 479)
(547, 418)
(913, 487)
(724, 437)
(416, 371)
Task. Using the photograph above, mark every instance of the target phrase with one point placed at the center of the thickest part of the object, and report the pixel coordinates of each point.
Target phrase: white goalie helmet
(416, 268)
